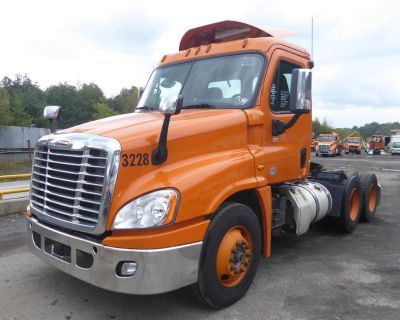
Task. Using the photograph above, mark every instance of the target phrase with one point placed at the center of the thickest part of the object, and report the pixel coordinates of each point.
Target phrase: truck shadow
(78, 299)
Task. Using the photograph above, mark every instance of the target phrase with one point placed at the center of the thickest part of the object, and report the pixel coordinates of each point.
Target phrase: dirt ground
(320, 275)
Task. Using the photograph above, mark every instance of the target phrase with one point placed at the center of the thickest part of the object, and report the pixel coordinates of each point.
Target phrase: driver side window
(279, 97)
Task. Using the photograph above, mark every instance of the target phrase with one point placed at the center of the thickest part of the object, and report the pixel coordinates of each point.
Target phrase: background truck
(329, 144)
(353, 144)
(376, 144)
(394, 143)
(189, 188)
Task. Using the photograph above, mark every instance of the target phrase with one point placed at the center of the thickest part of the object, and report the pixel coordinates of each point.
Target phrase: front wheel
(230, 256)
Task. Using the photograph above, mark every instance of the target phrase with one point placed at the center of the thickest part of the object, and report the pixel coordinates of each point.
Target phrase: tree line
(364, 131)
(22, 102)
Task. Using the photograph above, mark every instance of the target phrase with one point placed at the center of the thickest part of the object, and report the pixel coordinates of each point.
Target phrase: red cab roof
(219, 32)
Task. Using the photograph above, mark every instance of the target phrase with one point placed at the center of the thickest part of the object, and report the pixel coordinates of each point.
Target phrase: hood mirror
(51, 113)
(168, 106)
(171, 105)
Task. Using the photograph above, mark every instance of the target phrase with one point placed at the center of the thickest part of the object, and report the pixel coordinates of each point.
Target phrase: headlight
(153, 209)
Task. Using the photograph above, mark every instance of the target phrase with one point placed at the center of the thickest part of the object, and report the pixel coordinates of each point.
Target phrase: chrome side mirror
(300, 91)
(171, 105)
(51, 113)
(168, 106)
(300, 100)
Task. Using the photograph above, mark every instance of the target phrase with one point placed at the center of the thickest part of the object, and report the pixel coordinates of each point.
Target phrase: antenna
(312, 38)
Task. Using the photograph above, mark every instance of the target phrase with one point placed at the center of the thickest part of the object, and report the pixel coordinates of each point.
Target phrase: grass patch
(14, 168)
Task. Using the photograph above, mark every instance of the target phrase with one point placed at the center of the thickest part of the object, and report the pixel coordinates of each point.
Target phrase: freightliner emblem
(63, 143)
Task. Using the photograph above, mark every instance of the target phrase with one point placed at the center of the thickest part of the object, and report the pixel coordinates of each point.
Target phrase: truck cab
(188, 189)
(329, 144)
(376, 144)
(353, 145)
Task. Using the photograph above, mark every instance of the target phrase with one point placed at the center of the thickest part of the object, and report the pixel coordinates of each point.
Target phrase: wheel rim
(372, 198)
(354, 204)
(234, 255)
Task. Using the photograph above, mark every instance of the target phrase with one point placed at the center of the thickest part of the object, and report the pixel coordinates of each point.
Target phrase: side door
(286, 155)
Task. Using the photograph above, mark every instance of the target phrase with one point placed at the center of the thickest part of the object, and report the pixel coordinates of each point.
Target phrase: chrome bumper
(158, 270)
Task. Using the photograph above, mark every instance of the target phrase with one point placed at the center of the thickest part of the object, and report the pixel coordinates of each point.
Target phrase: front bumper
(158, 270)
(327, 152)
(376, 151)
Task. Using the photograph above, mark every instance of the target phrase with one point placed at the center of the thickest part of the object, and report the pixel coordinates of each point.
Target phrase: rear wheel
(351, 205)
(230, 256)
(370, 196)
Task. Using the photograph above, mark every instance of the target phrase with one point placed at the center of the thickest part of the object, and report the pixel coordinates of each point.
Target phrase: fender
(204, 180)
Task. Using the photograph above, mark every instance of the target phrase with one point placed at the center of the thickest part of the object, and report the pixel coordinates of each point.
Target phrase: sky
(116, 44)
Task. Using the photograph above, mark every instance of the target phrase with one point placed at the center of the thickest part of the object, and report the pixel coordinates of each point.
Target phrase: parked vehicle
(395, 148)
(188, 189)
(329, 144)
(376, 144)
(393, 139)
(353, 145)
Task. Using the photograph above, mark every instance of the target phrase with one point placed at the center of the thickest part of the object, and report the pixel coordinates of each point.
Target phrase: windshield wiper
(199, 106)
(146, 108)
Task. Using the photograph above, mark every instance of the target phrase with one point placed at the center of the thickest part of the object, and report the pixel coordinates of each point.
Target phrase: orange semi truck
(329, 144)
(376, 144)
(189, 188)
(353, 144)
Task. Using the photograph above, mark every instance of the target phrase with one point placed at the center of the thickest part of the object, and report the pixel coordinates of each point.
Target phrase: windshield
(396, 144)
(353, 140)
(376, 139)
(220, 82)
(326, 138)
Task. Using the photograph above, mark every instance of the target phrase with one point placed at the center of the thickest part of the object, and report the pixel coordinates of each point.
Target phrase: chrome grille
(69, 183)
(323, 147)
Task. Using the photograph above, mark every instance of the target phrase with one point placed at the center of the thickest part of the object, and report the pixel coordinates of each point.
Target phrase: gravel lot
(320, 275)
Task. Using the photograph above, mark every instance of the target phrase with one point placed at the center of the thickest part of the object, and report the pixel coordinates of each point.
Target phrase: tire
(225, 275)
(351, 205)
(370, 196)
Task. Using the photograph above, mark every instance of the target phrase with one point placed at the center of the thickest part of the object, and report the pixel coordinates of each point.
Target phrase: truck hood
(141, 129)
